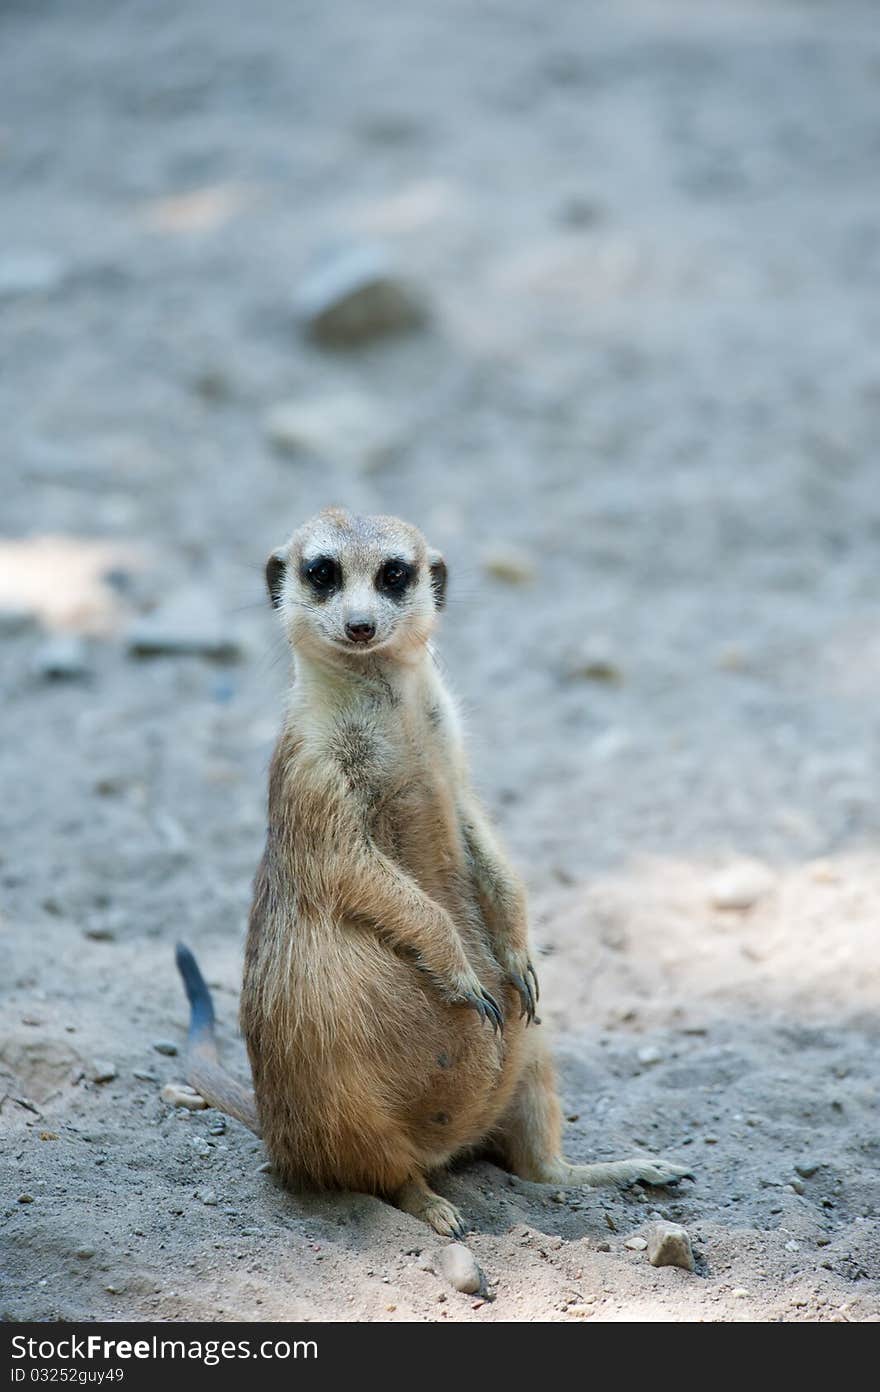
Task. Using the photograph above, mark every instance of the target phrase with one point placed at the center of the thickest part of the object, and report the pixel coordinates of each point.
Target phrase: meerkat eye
(323, 574)
(394, 577)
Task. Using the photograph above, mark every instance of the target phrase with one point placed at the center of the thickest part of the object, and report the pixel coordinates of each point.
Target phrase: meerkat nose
(360, 630)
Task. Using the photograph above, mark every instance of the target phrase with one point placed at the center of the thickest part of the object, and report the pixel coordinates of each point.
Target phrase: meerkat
(389, 992)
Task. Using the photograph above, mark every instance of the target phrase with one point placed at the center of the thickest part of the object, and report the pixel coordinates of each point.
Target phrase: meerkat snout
(357, 585)
(360, 630)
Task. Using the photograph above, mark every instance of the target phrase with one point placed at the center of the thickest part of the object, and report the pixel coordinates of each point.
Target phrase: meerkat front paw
(524, 979)
(468, 991)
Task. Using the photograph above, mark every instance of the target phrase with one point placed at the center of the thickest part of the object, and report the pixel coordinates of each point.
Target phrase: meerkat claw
(530, 970)
(488, 1009)
(526, 996)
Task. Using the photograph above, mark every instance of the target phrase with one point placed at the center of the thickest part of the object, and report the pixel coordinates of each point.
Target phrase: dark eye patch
(323, 575)
(394, 577)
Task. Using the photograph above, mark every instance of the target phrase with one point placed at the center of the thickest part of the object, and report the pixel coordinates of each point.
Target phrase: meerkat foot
(644, 1169)
(417, 1198)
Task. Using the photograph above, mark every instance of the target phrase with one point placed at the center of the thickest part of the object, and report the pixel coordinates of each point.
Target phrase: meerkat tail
(204, 1071)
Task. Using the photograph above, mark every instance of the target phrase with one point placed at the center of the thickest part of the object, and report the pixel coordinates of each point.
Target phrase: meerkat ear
(437, 567)
(275, 568)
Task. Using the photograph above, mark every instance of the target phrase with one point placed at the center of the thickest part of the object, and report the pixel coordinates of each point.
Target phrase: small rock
(740, 1293)
(732, 657)
(792, 1246)
(427, 1262)
(84, 1253)
(165, 1046)
(603, 1246)
(25, 1198)
(186, 626)
(208, 1197)
(635, 1244)
(16, 621)
(740, 886)
(343, 427)
(592, 661)
(649, 1054)
(579, 1311)
(212, 384)
(180, 1095)
(798, 1186)
(807, 1168)
(102, 1071)
(352, 295)
(510, 564)
(824, 872)
(460, 1268)
(62, 658)
(265, 1168)
(577, 211)
(29, 273)
(670, 1245)
(144, 1075)
(217, 1127)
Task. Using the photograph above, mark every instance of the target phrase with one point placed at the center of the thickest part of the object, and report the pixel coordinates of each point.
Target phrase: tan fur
(385, 917)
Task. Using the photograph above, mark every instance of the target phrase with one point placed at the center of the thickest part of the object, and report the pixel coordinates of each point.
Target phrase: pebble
(102, 1071)
(165, 1046)
(509, 563)
(592, 661)
(343, 427)
(217, 1127)
(187, 625)
(16, 621)
(734, 658)
(807, 1168)
(25, 1198)
(144, 1075)
(635, 1244)
(792, 1246)
(649, 1054)
(603, 1246)
(62, 658)
(207, 1196)
(670, 1245)
(180, 1095)
(740, 1293)
(798, 1186)
(29, 273)
(353, 295)
(824, 872)
(740, 886)
(459, 1265)
(84, 1253)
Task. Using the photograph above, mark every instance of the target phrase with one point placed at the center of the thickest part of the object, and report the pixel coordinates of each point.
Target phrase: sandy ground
(650, 238)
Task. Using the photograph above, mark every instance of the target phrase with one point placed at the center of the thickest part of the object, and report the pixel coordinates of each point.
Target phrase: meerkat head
(355, 586)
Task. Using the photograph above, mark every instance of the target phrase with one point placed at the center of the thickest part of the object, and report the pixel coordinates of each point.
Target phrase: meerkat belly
(380, 1073)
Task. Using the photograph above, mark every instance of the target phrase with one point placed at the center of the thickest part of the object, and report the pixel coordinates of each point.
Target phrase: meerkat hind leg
(416, 1197)
(530, 1139)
